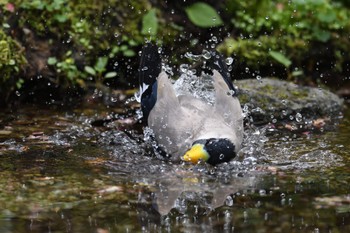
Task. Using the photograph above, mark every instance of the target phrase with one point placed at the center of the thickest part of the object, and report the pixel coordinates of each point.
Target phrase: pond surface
(63, 171)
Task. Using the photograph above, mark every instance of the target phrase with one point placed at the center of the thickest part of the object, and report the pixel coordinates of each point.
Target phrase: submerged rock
(270, 99)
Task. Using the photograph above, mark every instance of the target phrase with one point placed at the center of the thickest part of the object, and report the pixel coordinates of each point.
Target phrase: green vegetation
(287, 32)
(78, 44)
(11, 61)
(78, 41)
(203, 15)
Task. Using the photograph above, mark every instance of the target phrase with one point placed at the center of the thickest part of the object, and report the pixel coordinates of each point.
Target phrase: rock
(269, 99)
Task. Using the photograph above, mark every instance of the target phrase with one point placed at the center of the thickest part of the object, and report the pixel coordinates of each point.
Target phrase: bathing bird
(186, 127)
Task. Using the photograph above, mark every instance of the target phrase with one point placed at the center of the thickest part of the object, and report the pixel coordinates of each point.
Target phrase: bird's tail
(150, 65)
(149, 70)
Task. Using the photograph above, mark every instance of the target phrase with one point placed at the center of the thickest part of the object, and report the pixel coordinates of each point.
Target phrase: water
(200, 87)
(58, 173)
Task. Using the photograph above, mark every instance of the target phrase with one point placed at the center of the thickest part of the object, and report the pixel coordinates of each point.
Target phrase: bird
(185, 127)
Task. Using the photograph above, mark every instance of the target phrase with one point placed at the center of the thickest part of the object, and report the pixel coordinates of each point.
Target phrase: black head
(220, 150)
(212, 151)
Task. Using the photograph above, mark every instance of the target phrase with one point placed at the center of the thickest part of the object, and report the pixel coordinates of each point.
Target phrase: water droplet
(266, 216)
(206, 54)
(221, 157)
(247, 70)
(192, 56)
(229, 201)
(114, 99)
(227, 215)
(229, 61)
(116, 64)
(116, 35)
(69, 40)
(245, 215)
(262, 192)
(322, 144)
(144, 68)
(298, 117)
(231, 92)
(184, 68)
(17, 93)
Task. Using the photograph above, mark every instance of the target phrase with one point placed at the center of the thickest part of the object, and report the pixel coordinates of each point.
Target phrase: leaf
(129, 53)
(101, 64)
(51, 60)
(12, 62)
(203, 15)
(280, 58)
(297, 73)
(90, 70)
(61, 18)
(19, 83)
(132, 42)
(110, 74)
(321, 35)
(149, 23)
(327, 17)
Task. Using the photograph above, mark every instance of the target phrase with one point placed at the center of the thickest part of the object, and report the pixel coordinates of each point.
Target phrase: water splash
(198, 86)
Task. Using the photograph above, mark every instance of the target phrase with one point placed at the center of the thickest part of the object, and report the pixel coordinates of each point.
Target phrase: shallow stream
(60, 172)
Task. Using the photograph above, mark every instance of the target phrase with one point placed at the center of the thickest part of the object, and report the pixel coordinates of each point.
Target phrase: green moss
(299, 94)
(243, 98)
(11, 57)
(267, 89)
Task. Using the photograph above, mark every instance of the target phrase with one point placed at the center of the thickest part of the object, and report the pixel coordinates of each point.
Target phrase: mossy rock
(270, 98)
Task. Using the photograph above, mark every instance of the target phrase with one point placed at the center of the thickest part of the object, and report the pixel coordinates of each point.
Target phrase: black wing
(150, 68)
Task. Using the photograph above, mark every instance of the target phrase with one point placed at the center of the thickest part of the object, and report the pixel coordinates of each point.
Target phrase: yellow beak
(195, 154)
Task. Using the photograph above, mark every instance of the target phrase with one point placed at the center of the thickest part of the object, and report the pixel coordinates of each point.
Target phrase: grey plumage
(186, 125)
(178, 121)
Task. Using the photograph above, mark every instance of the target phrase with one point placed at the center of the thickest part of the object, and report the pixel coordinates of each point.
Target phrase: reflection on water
(60, 174)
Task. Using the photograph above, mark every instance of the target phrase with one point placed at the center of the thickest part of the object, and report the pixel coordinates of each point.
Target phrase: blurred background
(62, 50)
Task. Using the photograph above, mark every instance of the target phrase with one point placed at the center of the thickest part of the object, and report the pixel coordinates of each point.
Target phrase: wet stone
(270, 99)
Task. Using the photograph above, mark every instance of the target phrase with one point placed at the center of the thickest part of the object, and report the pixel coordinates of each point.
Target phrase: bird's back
(188, 118)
